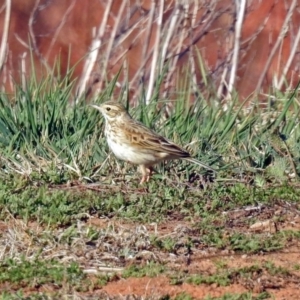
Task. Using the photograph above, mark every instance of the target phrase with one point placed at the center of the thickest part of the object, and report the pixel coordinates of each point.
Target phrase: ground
(246, 252)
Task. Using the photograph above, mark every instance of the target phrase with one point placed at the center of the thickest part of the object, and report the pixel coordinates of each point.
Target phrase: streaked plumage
(133, 142)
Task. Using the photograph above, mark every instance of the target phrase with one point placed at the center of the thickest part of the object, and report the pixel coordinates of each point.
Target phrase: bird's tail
(195, 161)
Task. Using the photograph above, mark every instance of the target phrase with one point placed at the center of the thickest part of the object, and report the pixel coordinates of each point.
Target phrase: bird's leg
(150, 170)
(146, 171)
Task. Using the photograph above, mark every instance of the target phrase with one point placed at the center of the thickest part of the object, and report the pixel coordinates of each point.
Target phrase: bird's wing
(141, 136)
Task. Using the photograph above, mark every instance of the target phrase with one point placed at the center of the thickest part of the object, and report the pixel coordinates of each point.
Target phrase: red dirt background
(64, 30)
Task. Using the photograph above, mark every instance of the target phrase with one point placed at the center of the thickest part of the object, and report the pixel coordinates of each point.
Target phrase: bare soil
(184, 262)
(203, 261)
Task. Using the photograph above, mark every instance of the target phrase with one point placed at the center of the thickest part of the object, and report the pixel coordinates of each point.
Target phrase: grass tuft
(58, 182)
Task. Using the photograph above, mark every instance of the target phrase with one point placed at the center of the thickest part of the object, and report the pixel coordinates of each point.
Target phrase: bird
(133, 142)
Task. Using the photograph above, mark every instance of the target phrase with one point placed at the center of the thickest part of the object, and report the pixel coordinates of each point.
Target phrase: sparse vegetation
(58, 181)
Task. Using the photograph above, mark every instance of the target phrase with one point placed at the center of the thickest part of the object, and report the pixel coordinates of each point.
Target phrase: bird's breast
(129, 153)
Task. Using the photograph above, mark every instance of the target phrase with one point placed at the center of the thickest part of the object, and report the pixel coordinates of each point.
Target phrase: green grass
(183, 296)
(40, 132)
(219, 279)
(37, 272)
(244, 275)
(59, 205)
(56, 176)
(32, 274)
(243, 296)
(151, 270)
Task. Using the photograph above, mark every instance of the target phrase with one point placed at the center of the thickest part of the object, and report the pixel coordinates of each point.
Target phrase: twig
(93, 54)
(103, 270)
(137, 25)
(241, 5)
(170, 31)
(282, 33)
(120, 39)
(21, 41)
(191, 52)
(111, 42)
(173, 55)
(5, 34)
(222, 82)
(141, 72)
(99, 169)
(2, 7)
(290, 59)
(59, 27)
(33, 39)
(155, 52)
(23, 74)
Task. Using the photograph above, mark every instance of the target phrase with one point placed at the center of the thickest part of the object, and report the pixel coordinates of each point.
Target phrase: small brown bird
(133, 142)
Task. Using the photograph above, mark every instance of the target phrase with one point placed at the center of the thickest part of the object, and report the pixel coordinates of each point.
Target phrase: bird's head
(112, 110)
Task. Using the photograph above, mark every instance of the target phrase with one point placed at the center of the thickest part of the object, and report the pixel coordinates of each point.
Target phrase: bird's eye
(107, 108)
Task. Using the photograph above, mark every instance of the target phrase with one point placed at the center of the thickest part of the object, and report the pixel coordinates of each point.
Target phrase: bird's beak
(95, 106)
